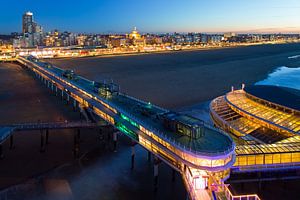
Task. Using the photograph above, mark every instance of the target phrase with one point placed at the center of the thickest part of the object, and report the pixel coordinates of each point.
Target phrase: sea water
(283, 76)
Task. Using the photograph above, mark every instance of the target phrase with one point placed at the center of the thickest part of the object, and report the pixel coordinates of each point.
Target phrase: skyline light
(117, 16)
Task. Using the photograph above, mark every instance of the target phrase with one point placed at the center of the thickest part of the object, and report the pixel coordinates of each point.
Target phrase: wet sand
(172, 80)
(23, 99)
(180, 79)
(98, 174)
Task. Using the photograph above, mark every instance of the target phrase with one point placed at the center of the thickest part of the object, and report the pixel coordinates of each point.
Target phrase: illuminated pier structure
(265, 123)
(201, 153)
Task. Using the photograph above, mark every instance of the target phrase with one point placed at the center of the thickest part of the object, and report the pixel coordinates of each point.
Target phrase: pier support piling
(42, 149)
(173, 175)
(47, 136)
(74, 105)
(78, 134)
(108, 134)
(156, 163)
(56, 91)
(76, 143)
(259, 182)
(68, 99)
(115, 137)
(149, 156)
(11, 142)
(1, 152)
(187, 197)
(101, 136)
(132, 155)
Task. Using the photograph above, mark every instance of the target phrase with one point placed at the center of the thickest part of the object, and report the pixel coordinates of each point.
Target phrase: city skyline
(158, 17)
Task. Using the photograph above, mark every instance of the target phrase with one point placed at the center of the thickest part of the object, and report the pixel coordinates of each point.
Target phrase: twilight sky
(103, 16)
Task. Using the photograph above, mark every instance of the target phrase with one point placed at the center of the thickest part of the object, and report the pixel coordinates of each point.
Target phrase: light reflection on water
(283, 76)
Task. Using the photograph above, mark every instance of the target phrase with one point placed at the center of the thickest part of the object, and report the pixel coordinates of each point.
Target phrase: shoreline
(195, 49)
(172, 51)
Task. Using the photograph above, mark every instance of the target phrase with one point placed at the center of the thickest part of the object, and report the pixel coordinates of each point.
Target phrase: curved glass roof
(284, 96)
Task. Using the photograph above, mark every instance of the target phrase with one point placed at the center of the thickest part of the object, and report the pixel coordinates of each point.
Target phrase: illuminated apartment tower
(28, 24)
(32, 32)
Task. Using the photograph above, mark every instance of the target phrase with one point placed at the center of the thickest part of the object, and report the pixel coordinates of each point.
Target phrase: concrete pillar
(149, 156)
(1, 152)
(62, 94)
(56, 91)
(156, 162)
(48, 84)
(132, 155)
(52, 86)
(108, 134)
(101, 136)
(11, 142)
(76, 143)
(42, 150)
(259, 182)
(75, 149)
(187, 196)
(68, 99)
(74, 105)
(78, 134)
(173, 175)
(47, 136)
(115, 138)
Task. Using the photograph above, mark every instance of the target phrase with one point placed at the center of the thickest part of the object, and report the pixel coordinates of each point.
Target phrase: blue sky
(99, 16)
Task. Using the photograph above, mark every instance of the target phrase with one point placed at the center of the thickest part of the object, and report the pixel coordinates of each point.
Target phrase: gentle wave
(294, 57)
(283, 76)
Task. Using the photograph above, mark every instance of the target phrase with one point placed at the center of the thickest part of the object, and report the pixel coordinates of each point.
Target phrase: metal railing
(230, 196)
(173, 141)
(50, 125)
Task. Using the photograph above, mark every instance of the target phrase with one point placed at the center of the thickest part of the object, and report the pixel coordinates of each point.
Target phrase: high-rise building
(27, 23)
(32, 32)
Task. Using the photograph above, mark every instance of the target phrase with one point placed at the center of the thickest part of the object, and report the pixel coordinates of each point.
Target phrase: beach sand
(100, 173)
(175, 80)
(179, 79)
